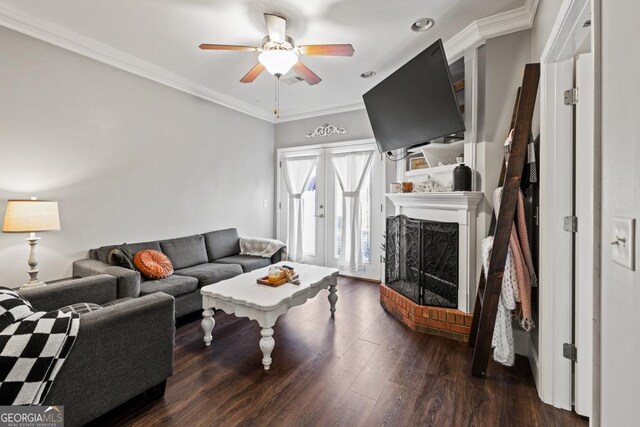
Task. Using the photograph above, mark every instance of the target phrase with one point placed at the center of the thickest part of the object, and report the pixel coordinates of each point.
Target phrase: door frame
(553, 373)
(331, 145)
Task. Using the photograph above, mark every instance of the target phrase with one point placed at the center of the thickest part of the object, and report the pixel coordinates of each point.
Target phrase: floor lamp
(31, 216)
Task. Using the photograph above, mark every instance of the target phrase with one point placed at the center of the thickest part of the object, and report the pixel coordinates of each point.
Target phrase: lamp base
(31, 284)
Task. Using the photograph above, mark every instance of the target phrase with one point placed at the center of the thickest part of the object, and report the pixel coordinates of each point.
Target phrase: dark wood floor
(362, 369)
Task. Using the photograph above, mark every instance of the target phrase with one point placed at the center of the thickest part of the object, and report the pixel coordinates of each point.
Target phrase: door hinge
(280, 164)
(570, 224)
(569, 351)
(279, 205)
(571, 96)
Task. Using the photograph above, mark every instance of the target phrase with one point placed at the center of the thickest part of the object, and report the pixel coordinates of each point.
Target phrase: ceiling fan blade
(326, 49)
(253, 73)
(308, 75)
(276, 27)
(206, 46)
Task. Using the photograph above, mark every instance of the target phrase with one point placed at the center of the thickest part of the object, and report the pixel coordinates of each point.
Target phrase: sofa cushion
(185, 251)
(222, 243)
(121, 256)
(247, 262)
(173, 285)
(211, 273)
(103, 252)
(153, 264)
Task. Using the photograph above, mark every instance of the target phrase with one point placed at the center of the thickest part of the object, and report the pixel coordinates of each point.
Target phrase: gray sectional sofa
(121, 351)
(198, 260)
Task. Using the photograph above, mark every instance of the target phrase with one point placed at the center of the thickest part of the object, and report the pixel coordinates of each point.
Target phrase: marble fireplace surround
(457, 206)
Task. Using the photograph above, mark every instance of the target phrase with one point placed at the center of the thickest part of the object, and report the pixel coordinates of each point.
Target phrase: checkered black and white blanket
(33, 347)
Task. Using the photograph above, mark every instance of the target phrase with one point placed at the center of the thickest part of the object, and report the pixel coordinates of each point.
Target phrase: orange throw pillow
(153, 264)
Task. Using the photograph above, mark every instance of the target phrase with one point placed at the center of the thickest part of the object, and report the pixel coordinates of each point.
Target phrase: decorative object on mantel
(407, 187)
(395, 187)
(31, 216)
(462, 178)
(326, 130)
(431, 185)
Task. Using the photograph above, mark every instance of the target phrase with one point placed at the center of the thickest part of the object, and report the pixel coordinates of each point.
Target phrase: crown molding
(474, 35)
(478, 32)
(86, 46)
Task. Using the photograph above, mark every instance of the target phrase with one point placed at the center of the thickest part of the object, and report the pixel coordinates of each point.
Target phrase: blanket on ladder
(33, 348)
(519, 276)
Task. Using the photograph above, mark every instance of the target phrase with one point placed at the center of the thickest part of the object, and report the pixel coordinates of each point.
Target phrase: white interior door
(586, 252)
(322, 209)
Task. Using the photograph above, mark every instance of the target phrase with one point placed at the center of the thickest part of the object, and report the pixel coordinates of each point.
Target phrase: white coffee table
(242, 296)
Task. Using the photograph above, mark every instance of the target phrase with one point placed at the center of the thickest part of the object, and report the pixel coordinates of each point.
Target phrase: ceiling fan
(279, 53)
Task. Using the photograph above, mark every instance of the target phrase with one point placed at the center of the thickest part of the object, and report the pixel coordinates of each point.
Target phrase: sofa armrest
(128, 280)
(120, 352)
(98, 289)
(279, 256)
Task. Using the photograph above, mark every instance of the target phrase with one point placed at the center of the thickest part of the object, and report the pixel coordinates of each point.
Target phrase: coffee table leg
(333, 298)
(266, 345)
(207, 325)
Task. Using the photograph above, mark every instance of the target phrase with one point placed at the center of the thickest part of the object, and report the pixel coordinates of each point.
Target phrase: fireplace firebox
(421, 260)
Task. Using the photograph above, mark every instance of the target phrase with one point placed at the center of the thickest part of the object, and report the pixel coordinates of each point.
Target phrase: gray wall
(292, 134)
(620, 197)
(127, 159)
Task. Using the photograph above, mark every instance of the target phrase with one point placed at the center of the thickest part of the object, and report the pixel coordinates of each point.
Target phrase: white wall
(127, 159)
(292, 133)
(545, 17)
(620, 197)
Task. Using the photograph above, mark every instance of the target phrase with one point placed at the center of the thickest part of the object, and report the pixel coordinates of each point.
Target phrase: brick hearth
(447, 322)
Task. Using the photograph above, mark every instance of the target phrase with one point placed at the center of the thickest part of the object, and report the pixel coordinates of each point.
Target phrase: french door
(322, 208)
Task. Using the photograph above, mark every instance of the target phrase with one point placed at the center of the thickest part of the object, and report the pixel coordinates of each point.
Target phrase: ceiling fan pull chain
(276, 110)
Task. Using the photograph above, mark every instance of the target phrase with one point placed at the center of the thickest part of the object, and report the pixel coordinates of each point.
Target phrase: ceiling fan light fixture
(422, 24)
(278, 61)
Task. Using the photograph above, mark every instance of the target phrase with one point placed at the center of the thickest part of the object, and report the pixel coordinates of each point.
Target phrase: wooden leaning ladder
(489, 287)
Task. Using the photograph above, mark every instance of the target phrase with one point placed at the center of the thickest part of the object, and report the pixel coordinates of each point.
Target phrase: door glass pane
(365, 209)
(309, 218)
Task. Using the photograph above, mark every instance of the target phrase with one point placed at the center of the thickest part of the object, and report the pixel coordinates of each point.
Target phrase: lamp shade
(28, 216)
(278, 61)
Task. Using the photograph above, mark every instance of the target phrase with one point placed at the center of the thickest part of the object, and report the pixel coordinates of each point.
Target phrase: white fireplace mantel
(459, 207)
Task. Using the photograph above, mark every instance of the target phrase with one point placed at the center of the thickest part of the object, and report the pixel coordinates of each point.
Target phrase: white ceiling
(166, 34)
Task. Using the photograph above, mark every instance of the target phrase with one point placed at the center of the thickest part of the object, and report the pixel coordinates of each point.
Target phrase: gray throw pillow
(121, 256)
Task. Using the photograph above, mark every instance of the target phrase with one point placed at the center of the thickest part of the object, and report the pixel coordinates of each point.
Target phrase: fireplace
(430, 265)
(421, 260)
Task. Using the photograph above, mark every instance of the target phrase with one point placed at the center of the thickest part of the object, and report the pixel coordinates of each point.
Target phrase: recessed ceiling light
(422, 24)
(368, 74)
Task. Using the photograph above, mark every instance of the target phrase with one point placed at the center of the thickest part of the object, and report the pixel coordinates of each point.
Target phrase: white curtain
(297, 171)
(351, 170)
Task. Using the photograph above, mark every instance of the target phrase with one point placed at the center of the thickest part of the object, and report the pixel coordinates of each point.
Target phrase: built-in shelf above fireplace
(459, 207)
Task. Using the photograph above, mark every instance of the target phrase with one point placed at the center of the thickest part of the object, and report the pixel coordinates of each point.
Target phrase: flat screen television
(416, 103)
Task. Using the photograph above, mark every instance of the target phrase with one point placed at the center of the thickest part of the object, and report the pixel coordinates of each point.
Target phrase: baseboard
(533, 362)
(364, 279)
(521, 342)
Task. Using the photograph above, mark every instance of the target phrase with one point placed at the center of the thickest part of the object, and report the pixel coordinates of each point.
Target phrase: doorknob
(319, 216)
